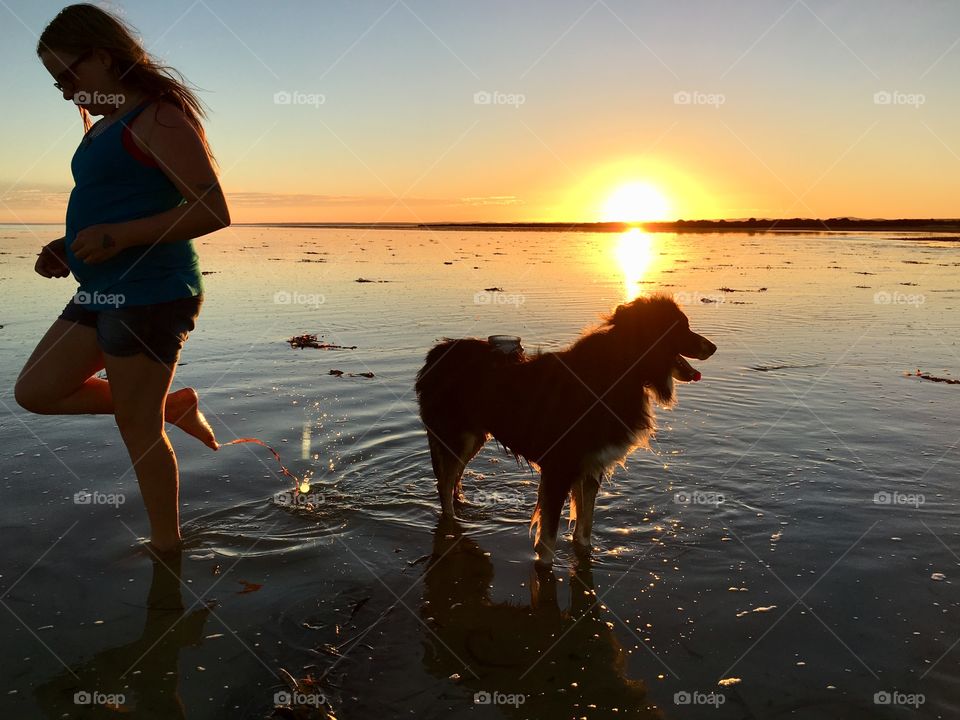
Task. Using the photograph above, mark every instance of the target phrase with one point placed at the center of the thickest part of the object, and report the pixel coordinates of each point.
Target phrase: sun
(636, 202)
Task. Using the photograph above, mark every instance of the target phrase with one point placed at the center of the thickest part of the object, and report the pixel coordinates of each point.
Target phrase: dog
(573, 415)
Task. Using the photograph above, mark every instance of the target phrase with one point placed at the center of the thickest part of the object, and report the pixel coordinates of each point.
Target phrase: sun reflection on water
(636, 253)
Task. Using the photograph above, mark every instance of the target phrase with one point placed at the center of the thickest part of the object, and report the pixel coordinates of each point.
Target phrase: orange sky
(559, 111)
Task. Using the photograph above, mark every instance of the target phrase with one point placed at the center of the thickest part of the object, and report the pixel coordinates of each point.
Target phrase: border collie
(573, 414)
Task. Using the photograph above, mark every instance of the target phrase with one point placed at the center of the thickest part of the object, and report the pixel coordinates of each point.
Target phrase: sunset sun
(636, 202)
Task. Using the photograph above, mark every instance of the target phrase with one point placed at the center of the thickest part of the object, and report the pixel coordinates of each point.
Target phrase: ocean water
(788, 547)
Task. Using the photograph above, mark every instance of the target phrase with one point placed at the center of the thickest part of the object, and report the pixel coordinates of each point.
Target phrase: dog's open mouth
(684, 371)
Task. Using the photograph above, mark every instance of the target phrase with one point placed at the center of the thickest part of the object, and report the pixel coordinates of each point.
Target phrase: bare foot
(182, 409)
(161, 550)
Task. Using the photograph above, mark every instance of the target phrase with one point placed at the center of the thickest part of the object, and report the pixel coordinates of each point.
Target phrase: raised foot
(183, 410)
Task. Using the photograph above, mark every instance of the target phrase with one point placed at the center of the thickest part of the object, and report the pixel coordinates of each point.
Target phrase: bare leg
(584, 495)
(58, 380)
(139, 387)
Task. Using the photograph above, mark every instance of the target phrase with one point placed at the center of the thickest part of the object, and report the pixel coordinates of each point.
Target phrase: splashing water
(302, 486)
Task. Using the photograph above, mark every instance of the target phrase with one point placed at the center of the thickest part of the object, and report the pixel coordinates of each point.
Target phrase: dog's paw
(543, 563)
(545, 557)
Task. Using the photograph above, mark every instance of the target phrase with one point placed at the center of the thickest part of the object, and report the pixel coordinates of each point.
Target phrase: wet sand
(825, 575)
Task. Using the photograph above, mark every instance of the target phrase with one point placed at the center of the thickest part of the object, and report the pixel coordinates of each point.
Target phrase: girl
(144, 187)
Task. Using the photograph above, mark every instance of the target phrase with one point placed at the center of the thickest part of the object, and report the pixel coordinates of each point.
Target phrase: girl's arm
(179, 151)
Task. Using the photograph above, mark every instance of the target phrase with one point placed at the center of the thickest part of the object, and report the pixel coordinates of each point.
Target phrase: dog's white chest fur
(600, 463)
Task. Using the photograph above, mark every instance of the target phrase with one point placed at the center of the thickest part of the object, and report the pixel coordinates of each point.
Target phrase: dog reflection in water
(561, 662)
(573, 414)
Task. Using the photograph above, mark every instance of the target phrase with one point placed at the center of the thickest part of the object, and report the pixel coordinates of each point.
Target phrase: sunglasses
(60, 79)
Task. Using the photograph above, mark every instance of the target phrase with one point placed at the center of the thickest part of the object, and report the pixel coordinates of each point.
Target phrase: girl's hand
(52, 260)
(97, 243)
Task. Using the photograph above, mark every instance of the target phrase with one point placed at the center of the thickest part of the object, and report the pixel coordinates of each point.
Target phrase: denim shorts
(158, 331)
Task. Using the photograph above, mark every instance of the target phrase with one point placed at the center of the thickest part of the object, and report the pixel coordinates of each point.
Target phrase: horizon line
(795, 223)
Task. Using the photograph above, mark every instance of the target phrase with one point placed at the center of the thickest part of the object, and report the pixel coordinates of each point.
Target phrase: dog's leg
(472, 443)
(554, 488)
(584, 495)
(449, 458)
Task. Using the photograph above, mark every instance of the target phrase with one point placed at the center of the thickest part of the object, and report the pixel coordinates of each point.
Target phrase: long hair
(83, 27)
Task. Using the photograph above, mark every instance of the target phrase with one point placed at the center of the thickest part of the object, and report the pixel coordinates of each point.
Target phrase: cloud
(34, 196)
(49, 201)
(491, 200)
(264, 199)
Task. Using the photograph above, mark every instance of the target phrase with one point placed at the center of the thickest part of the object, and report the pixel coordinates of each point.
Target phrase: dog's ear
(620, 316)
(625, 314)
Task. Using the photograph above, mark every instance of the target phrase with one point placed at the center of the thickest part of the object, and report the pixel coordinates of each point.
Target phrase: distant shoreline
(753, 225)
(679, 226)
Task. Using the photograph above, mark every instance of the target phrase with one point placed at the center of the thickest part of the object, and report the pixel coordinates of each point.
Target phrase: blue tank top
(116, 182)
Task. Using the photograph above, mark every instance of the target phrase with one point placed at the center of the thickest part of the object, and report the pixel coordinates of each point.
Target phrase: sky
(531, 110)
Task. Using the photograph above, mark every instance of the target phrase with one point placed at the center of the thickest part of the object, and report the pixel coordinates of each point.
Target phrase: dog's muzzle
(698, 348)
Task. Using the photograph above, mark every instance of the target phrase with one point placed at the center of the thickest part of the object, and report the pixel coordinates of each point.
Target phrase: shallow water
(812, 592)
